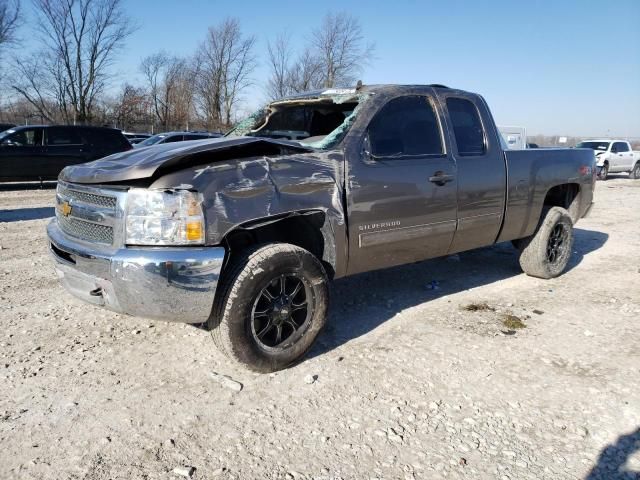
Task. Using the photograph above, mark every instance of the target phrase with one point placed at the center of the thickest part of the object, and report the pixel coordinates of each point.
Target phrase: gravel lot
(404, 383)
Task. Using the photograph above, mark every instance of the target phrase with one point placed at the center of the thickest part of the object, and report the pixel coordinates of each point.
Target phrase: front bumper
(174, 284)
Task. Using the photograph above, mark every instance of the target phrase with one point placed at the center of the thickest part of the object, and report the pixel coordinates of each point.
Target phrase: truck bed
(531, 174)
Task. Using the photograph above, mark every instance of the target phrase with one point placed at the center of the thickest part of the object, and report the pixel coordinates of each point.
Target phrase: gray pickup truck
(244, 233)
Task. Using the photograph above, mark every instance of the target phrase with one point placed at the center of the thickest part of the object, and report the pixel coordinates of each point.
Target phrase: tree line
(69, 77)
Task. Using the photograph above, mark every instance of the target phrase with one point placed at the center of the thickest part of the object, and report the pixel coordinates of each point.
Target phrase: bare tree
(289, 75)
(80, 39)
(225, 64)
(280, 55)
(9, 20)
(340, 48)
(130, 109)
(171, 82)
(306, 73)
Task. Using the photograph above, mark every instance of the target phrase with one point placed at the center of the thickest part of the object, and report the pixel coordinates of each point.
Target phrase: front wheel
(271, 305)
(604, 172)
(546, 253)
(635, 171)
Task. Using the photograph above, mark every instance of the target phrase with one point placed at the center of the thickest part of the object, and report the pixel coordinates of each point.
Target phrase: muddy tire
(271, 305)
(635, 171)
(604, 172)
(546, 253)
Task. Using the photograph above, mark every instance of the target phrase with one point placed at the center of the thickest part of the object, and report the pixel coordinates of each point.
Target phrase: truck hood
(148, 162)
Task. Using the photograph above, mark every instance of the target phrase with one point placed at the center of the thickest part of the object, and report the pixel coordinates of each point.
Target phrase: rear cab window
(406, 127)
(467, 127)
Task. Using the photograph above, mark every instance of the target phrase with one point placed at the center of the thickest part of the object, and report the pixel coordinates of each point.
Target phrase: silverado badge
(65, 209)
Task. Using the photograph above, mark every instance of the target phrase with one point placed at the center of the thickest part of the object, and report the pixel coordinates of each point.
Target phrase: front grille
(91, 198)
(92, 232)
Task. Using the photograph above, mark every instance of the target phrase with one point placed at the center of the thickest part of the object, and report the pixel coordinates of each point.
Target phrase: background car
(170, 137)
(6, 126)
(613, 156)
(41, 152)
(135, 137)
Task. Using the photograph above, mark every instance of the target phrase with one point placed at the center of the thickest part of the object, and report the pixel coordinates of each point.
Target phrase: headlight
(164, 218)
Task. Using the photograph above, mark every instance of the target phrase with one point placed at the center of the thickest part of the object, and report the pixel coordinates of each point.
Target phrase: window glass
(406, 126)
(621, 147)
(173, 138)
(63, 136)
(28, 137)
(195, 137)
(467, 127)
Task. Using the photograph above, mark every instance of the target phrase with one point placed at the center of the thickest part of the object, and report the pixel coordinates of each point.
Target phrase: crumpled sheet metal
(241, 192)
(141, 163)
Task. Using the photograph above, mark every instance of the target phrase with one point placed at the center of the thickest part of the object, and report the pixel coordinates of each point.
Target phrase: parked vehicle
(6, 126)
(170, 137)
(135, 137)
(614, 156)
(245, 233)
(41, 152)
(514, 137)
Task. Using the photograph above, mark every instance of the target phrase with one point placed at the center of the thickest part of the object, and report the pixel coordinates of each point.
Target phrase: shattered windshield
(317, 122)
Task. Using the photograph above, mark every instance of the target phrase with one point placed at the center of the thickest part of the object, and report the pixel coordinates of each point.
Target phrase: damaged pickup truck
(243, 233)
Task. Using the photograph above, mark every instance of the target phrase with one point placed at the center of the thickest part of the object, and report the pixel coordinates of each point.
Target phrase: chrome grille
(83, 230)
(90, 213)
(90, 198)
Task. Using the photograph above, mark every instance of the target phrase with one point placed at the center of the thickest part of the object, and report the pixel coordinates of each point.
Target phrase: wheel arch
(565, 195)
(308, 228)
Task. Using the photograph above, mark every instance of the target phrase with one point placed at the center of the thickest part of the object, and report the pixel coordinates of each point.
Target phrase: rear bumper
(165, 283)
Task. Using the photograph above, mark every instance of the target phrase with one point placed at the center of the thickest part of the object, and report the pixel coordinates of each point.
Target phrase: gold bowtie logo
(65, 209)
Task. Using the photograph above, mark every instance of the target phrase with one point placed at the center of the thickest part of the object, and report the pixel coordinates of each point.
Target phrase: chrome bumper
(166, 283)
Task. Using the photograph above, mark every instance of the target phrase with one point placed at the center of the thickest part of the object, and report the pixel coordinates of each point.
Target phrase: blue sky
(555, 67)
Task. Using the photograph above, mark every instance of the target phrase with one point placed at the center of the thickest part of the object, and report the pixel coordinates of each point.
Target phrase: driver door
(22, 155)
(402, 192)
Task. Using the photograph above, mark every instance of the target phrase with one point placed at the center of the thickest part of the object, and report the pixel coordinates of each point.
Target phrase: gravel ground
(540, 381)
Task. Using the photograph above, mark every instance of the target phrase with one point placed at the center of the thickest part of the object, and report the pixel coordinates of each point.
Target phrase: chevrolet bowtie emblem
(65, 209)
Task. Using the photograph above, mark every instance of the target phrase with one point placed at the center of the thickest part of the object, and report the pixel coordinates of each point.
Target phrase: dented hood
(145, 162)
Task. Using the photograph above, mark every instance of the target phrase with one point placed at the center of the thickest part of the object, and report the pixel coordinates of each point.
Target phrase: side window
(173, 138)
(621, 147)
(406, 126)
(195, 137)
(467, 127)
(28, 137)
(63, 136)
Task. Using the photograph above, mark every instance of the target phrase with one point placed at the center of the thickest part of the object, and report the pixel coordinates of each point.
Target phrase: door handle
(440, 178)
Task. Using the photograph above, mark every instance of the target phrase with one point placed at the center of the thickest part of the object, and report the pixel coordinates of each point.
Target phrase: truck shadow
(612, 459)
(15, 186)
(22, 214)
(361, 303)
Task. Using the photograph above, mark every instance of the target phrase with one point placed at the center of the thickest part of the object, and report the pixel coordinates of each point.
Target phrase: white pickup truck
(614, 156)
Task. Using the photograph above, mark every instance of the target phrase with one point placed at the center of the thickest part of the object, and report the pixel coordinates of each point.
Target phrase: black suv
(41, 152)
(170, 137)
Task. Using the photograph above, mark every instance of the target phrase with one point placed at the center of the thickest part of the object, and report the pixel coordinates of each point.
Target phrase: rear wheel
(635, 171)
(604, 171)
(546, 253)
(272, 304)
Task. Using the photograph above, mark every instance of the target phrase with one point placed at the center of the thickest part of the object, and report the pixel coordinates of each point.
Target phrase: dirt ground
(404, 382)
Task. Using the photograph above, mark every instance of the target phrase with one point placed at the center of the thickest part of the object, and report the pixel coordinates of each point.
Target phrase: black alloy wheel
(281, 312)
